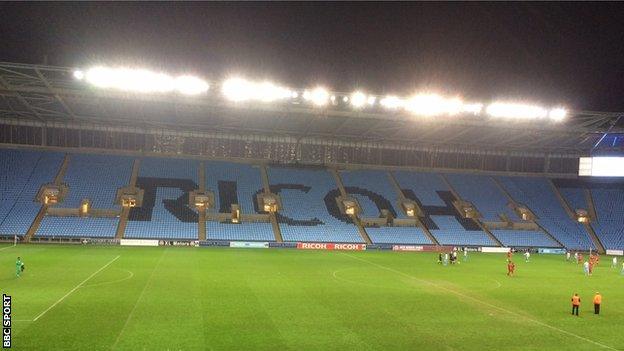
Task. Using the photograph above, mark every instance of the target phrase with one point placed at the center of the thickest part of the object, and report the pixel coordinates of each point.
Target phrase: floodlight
(433, 105)
(189, 85)
(516, 110)
(558, 114)
(358, 99)
(371, 100)
(238, 89)
(319, 96)
(141, 80)
(391, 102)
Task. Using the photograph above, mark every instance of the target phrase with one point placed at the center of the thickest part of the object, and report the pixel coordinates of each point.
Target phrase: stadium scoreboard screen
(612, 166)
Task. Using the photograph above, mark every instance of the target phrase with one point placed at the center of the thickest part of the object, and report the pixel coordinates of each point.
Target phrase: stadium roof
(51, 94)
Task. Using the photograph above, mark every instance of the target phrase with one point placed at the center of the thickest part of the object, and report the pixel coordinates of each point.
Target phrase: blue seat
(22, 175)
(309, 214)
(538, 195)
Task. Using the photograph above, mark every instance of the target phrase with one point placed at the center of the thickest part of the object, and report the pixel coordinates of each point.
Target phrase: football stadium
(153, 209)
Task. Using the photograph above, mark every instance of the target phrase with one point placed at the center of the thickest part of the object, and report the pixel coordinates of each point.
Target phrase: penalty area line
(75, 288)
(482, 302)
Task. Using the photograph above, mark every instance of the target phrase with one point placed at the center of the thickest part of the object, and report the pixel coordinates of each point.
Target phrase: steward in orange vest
(576, 302)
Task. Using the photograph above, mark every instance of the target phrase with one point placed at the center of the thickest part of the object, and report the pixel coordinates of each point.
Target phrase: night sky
(552, 53)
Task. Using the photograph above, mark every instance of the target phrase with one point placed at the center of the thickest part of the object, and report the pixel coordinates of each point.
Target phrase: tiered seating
(96, 177)
(523, 238)
(77, 227)
(609, 204)
(443, 224)
(169, 175)
(397, 235)
(305, 216)
(450, 232)
(373, 183)
(21, 175)
(537, 194)
(482, 192)
(424, 185)
(309, 213)
(575, 198)
(378, 187)
(235, 183)
(249, 231)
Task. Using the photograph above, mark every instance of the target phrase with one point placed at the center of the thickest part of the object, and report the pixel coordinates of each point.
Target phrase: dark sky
(570, 53)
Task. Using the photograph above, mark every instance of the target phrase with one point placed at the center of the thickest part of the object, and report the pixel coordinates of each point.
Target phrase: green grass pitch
(132, 298)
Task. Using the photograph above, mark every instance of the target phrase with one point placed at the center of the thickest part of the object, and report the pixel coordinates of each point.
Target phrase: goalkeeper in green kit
(19, 267)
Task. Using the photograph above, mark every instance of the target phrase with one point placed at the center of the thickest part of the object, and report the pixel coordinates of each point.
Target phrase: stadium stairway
(402, 197)
(513, 201)
(272, 217)
(475, 220)
(356, 220)
(125, 211)
(571, 213)
(591, 207)
(201, 215)
(58, 179)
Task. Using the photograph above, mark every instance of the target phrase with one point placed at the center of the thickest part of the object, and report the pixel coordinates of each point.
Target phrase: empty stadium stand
(235, 183)
(609, 224)
(310, 211)
(308, 197)
(93, 177)
(523, 238)
(482, 192)
(538, 195)
(375, 192)
(575, 198)
(23, 173)
(165, 213)
(430, 191)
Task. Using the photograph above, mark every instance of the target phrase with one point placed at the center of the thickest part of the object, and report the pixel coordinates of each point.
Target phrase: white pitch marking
(482, 302)
(129, 276)
(75, 288)
(8, 247)
(138, 299)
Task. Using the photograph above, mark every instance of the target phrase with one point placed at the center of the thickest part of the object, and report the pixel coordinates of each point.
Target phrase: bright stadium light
(433, 105)
(371, 100)
(190, 85)
(391, 102)
(141, 81)
(358, 99)
(516, 110)
(318, 96)
(558, 114)
(238, 90)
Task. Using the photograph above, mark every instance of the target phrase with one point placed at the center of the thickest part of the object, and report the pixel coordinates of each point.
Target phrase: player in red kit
(509, 254)
(511, 268)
